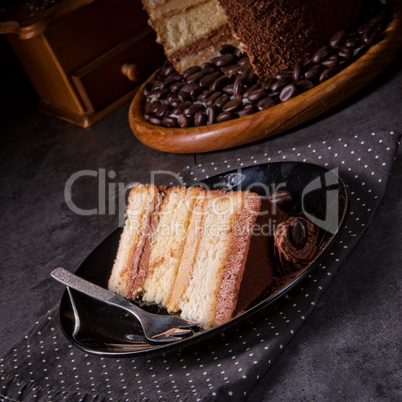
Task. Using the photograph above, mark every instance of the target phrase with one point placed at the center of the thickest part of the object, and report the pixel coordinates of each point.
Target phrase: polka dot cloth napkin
(45, 366)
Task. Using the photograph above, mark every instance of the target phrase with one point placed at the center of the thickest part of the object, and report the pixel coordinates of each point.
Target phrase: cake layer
(277, 33)
(141, 204)
(167, 244)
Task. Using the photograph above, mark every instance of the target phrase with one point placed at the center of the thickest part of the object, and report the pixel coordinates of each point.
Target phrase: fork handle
(97, 292)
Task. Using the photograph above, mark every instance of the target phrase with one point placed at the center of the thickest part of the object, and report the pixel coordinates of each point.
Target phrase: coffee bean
(188, 87)
(250, 89)
(190, 71)
(345, 52)
(176, 86)
(224, 60)
(227, 49)
(353, 42)
(281, 197)
(238, 87)
(224, 116)
(288, 92)
(221, 101)
(371, 34)
(231, 70)
(204, 96)
(167, 69)
(338, 38)
(155, 120)
(200, 118)
(297, 70)
(179, 109)
(214, 96)
(279, 84)
(304, 85)
(193, 109)
(196, 76)
(162, 111)
(207, 80)
(287, 74)
(228, 89)
(248, 109)
(321, 54)
(211, 112)
(149, 107)
(184, 96)
(238, 53)
(195, 92)
(328, 73)
(208, 68)
(298, 233)
(184, 121)
(265, 103)
(161, 93)
(169, 122)
(208, 65)
(233, 105)
(267, 85)
(249, 75)
(257, 95)
(220, 82)
(169, 81)
(312, 72)
(360, 30)
(332, 61)
(244, 60)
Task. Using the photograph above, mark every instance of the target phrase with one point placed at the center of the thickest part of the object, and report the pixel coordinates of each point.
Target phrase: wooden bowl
(278, 118)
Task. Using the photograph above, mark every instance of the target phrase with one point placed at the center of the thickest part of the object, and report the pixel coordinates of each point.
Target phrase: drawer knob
(131, 71)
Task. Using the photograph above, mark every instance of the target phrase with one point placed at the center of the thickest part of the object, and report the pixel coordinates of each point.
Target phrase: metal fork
(157, 328)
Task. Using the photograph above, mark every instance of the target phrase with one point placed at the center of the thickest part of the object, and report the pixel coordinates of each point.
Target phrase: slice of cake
(191, 31)
(191, 254)
(278, 33)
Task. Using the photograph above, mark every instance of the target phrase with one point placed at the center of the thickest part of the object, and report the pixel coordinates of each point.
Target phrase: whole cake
(277, 33)
(191, 31)
(186, 249)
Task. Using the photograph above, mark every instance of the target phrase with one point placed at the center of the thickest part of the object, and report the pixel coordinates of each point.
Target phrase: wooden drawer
(101, 82)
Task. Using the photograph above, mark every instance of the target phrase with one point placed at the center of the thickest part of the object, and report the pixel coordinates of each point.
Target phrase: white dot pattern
(43, 366)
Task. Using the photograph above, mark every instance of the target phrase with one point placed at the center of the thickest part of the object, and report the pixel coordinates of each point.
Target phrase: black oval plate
(318, 194)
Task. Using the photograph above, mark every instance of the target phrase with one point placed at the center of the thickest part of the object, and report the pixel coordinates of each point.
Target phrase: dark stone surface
(349, 348)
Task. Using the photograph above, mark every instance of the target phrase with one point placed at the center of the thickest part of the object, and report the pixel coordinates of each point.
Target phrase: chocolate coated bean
(224, 60)
(338, 38)
(265, 103)
(298, 233)
(200, 118)
(233, 105)
(288, 92)
(281, 197)
(184, 121)
(211, 112)
(224, 116)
